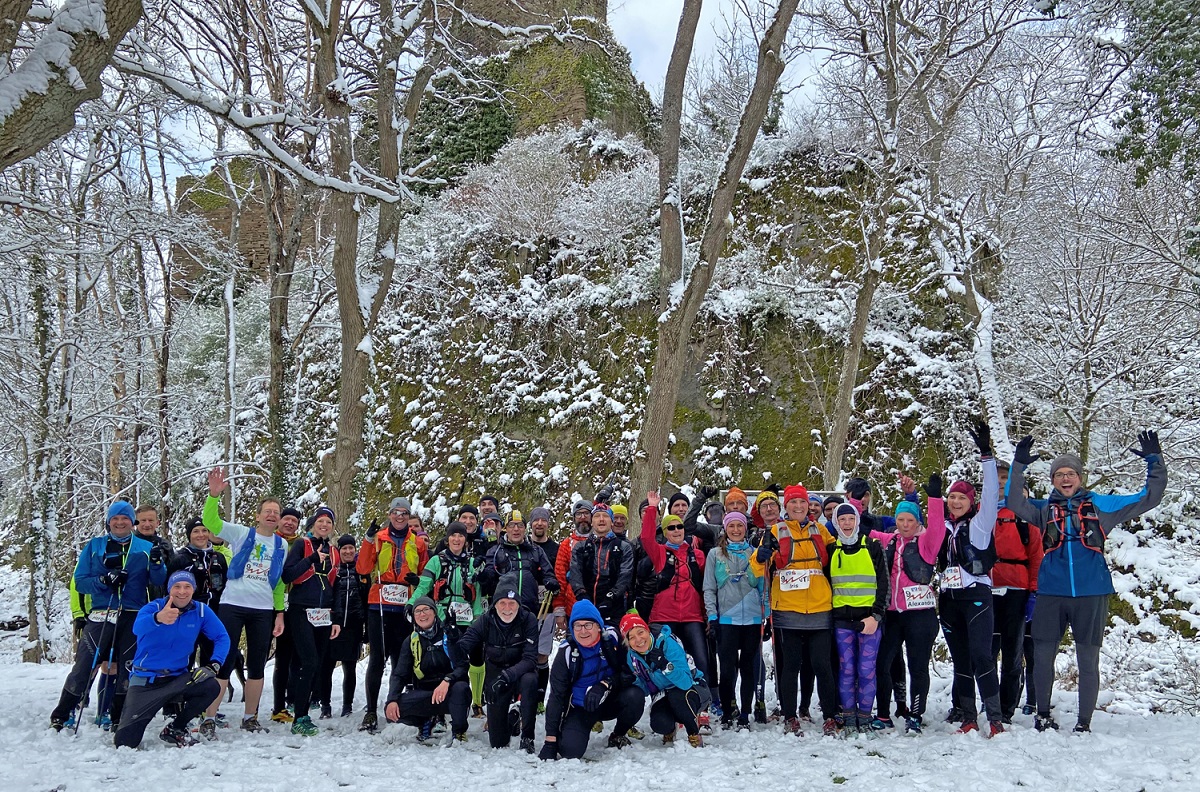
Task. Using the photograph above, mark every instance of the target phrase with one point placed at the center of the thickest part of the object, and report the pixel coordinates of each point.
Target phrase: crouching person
(590, 682)
(166, 631)
(663, 670)
(425, 666)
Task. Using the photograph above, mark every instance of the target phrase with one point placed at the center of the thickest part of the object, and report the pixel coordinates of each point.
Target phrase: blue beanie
(584, 610)
(908, 507)
(181, 576)
(120, 509)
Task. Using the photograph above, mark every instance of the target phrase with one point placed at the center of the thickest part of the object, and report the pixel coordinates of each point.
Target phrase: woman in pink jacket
(911, 620)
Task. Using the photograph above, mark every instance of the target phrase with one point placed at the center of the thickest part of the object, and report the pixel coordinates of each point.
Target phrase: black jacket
(208, 567)
(525, 561)
(435, 664)
(602, 570)
(504, 647)
(315, 590)
(350, 591)
(477, 543)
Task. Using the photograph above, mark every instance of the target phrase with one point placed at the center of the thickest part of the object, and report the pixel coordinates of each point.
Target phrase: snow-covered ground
(1125, 752)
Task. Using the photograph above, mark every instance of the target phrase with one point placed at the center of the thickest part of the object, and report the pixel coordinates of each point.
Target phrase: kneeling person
(590, 682)
(664, 671)
(166, 631)
(507, 639)
(422, 686)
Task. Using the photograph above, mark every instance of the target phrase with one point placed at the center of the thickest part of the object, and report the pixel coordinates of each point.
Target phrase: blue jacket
(166, 649)
(666, 665)
(136, 562)
(1071, 569)
(733, 594)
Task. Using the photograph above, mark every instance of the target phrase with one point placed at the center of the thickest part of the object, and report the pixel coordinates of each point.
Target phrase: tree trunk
(675, 327)
(42, 522)
(843, 404)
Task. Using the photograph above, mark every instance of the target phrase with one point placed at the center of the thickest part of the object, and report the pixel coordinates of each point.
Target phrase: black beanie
(467, 508)
(346, 539)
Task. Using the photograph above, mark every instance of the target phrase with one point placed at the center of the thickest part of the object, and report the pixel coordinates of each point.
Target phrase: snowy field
(1125, 752)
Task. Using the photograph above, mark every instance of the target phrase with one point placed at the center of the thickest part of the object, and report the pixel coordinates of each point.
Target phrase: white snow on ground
(1125, 752)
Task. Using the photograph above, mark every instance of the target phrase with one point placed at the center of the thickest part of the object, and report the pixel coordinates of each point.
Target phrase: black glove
(775, 487)
(595, 696)
(605, 495)
(552, 585)
(205, 672)
(1024, 452)
(767, 547)
(114, 561)
(374, 529)
(80, 623)
(707, 492)
(156, 555)
(934, 488)
(549, 752)
(412, 578)
(1149, 444)
(981, 433)
(501, 562)
(499, 687)
(115, 579)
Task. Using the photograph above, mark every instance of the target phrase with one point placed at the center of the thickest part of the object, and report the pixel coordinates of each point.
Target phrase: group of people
(500, 620)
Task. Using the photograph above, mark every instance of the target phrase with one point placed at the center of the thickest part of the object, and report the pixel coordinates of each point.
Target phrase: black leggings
(791, 648)
(967, 625)
(100, 642)
(497, 708)
(311, 644)
(915, 631)
(145, 701)
(259, 624)
(679, 706)
(285, 665)
(738, 649)
(416, 706)
(1008, 639)
(626, 706)
(387, 632)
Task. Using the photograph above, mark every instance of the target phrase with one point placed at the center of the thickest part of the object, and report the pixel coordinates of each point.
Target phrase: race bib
(393, 594)
(101, 616)
(258, 571)
(461, 612)
(319, 617)
(919, 597)
(794, 579)
(952, 578)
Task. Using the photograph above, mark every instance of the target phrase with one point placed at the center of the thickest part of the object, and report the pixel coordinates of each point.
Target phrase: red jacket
(681, 601)
(1017, 563)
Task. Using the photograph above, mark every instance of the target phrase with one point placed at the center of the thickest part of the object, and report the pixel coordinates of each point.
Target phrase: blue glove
(1029, 606)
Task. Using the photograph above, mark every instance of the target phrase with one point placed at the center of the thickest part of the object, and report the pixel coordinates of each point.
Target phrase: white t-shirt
(253, 589)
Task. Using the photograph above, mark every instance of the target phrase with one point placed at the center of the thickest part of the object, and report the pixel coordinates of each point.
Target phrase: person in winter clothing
(309, 572)
(116, 570)
(602, 568)
(491, 524)
(209, 567)
(167, 629)
(539, 532)
(620, 519)
(253, 600)
(423, 685)
(539, 527)
(679, 567)
(736, 500)
(505, 639)
(146, 525)
(858, 575)
(349, 614)
(965, 604)
(581, 529)
(1019, 554)
(514, 554)
(1074, 581)
(477, 543)
(794, 555)
(735, 603)
(449, 579)
(911, 620)
(665, 673)
(394, 557)
(286, 664)
(590, 682)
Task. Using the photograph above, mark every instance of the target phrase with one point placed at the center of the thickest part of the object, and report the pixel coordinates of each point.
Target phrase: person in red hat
(666, 673)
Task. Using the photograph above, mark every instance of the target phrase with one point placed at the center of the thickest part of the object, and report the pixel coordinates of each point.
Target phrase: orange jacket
(565, 598)
(388, 563)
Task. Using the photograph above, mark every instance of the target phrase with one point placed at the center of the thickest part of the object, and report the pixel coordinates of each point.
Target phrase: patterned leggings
(856, 669)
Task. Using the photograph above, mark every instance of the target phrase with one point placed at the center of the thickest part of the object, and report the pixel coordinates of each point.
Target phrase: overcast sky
(647, 29)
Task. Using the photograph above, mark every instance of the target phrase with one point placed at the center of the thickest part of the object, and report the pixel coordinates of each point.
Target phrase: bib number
(952, 578)
(393, 594)
(794, 579)
(319, 617)
(461, 612)
(919, 597)
(258, 571)
(101, 616)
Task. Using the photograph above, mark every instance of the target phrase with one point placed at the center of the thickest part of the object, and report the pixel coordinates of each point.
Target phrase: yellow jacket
(798, 582)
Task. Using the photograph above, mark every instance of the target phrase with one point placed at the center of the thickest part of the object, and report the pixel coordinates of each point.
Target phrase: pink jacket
(929, 544)
(681, 601)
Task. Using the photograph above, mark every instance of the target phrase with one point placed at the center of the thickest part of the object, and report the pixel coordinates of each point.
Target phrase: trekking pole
(544, 608)
(96, 657)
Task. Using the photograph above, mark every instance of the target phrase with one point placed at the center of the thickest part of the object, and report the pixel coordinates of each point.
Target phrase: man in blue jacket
(116, 570)
(166, 631)
(1074, 582)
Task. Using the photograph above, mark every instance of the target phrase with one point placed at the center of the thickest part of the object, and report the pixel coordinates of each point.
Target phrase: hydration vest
(331, 575)
(917, 568)
(666, 576)
(959, 551)
(1091, 532)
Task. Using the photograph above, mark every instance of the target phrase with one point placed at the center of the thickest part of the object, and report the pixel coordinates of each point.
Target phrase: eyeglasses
(422, 610)
(398, 513)
(1066, 474)
(586, 625)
